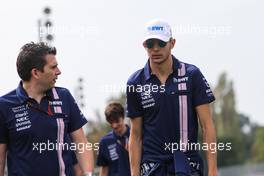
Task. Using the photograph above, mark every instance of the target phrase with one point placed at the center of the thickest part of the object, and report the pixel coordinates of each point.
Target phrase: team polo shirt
(113, 153)
(168, 111)
(26, 127)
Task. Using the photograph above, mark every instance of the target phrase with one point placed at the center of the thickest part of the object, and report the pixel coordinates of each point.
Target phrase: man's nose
(58, 72)
(156, 46)
(114, 125)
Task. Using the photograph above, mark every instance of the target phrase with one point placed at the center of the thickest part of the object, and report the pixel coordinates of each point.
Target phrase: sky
(101, 41)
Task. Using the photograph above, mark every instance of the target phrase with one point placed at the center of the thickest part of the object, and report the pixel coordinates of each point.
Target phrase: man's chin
(117, 132)
(157, 60)
(51, 86)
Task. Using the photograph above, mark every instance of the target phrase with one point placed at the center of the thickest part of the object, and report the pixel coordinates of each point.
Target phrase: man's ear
(35, 73)
(144, 45)
(173, 42)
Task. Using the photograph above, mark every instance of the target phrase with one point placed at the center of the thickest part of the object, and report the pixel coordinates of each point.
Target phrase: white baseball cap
(158, 29)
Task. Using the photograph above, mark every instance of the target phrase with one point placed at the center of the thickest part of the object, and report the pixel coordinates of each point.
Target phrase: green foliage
(96, 132)
(258, 146)
(230, 125)
(226, 117)
(235, 156)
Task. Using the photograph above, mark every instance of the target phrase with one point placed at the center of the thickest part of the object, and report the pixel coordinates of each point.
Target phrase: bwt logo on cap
(155, 28)
(158, 29)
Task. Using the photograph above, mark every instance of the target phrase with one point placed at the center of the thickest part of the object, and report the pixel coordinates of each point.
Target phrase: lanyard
(124, 143)
(48, 112)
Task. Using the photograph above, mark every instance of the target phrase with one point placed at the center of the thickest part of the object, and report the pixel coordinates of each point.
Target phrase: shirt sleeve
(133, 105)
(101, 156)
(77, 119)
(202, 93)
(3, 130)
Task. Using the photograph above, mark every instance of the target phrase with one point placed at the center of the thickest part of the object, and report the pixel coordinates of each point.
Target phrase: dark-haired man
(164, 114)
(113, 149)
(38, 119)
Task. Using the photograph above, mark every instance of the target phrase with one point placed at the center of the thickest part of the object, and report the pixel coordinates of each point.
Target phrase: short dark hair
(32, 55)
(114, 111)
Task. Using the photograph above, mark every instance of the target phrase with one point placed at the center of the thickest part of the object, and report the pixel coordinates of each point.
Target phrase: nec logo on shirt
(155, 28)
(112, 152)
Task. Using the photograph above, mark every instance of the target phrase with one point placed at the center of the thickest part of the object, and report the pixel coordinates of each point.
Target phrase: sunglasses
(151, 42)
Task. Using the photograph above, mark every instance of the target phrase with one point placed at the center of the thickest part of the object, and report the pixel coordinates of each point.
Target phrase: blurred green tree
(229, 124)
(258, 145)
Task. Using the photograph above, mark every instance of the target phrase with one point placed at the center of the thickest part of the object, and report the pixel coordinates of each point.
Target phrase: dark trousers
(162, 170)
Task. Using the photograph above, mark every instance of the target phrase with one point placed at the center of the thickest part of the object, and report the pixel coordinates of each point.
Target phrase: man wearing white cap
(165, 101)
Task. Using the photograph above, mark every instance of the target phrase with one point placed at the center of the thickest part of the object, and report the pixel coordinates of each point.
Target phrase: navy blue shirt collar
(126, 134)
(147, 69)
(23, 96)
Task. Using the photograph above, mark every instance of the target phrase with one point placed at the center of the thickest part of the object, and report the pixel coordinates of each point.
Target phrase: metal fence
(245, 170)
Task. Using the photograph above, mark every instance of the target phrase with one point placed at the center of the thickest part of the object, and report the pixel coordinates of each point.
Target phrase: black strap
(47, 112)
